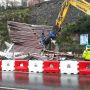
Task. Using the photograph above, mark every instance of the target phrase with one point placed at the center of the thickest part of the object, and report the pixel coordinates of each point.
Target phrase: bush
(71, 34)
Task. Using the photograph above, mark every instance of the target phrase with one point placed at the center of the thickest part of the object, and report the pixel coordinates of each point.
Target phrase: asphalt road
(39, 81)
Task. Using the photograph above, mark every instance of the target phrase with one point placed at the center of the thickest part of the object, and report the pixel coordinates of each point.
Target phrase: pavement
(40, 81)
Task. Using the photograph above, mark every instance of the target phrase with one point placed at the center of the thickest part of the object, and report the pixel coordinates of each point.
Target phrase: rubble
(27, 37)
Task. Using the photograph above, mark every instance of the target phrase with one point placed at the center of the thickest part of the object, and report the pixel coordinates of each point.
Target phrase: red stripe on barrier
(51, 66)
(84, 67)
(21, 65)
(51, 79)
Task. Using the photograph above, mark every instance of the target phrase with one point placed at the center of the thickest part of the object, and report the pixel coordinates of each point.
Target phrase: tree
(69, 35)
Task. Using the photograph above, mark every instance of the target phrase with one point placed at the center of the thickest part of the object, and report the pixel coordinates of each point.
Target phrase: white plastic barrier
(69, 67)
(35, 66)
(8, 65)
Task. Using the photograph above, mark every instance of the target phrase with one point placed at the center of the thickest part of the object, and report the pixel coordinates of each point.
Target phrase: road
(46, 81)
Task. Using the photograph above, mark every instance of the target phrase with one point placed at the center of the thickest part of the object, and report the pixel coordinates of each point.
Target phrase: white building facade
(33, 2)
(10, 3)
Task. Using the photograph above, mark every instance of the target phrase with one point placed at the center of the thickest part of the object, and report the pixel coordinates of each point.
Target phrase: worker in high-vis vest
(86, 53)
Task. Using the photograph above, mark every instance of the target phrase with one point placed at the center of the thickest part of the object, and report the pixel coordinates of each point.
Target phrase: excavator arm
(62, 14)
(81, 5)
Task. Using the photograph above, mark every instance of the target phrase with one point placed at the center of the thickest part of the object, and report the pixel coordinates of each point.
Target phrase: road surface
(46, 81)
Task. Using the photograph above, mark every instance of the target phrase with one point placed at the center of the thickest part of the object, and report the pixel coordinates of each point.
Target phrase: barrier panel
(35, 66)
(21, 77)
(51, 79)
(69, 67)
(21, 65)
(51, 66)
(84, 67)
(8, 65)
(0, 65)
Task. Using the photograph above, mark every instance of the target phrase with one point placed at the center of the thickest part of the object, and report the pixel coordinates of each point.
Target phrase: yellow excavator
(81, 5)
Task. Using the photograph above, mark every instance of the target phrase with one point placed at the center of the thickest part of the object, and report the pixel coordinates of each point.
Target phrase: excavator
(81, 5)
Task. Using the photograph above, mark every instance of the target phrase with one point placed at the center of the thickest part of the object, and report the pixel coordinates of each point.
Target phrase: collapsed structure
(27, 37)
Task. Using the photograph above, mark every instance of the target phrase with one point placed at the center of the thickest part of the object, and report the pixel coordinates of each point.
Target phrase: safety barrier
(0, 65)
(21, 65)
(47, 66)
(84, 67)
(0, 69)
(35, 66)
(51, 66)
(69, 67)
(8, 65)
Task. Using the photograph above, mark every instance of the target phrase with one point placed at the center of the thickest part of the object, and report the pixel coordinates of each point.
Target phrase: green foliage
(15, 14)
(82, 25)
(68, 34)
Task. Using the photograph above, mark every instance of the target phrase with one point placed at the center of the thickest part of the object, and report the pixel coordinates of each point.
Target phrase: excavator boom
(62, 14)
(82, 5)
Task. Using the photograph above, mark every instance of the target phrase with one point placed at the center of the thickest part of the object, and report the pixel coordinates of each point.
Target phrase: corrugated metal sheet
(27, 37)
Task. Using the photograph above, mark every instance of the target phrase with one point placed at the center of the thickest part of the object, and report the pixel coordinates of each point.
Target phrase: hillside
(43, 13)
(46, 13)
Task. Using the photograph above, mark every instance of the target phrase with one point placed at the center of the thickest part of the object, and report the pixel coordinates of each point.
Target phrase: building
(24, 3)
(10, 3)
(33, 2)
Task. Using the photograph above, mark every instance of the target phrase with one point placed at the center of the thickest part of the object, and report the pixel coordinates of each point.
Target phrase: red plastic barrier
(51, 79)
(0, 69)
(21, 65)
(51, 66)
(84, 67)
(0, 65)
(21, 77)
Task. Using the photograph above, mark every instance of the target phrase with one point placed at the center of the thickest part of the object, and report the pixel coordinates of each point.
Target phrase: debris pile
(27, 37)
